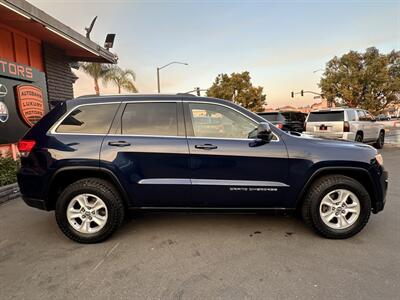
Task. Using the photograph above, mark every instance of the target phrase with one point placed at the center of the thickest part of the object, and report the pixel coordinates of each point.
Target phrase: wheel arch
(67, 175)
(359, 174)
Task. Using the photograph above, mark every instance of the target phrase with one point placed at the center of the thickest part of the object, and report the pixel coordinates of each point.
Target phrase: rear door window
(326, 116)
(150, 119)
(90, 119)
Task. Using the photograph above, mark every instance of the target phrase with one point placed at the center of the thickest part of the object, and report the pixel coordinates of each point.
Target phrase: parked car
(346, 123)
(382, 117)
(94, 158)
(286, 120)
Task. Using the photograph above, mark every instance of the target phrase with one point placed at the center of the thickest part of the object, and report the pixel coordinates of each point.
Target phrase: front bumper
(380, 203)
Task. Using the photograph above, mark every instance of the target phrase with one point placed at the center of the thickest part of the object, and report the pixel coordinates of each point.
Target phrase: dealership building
(36, 55)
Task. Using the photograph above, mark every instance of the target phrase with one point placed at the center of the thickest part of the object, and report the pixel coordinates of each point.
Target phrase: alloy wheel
(339, 209)
(87, 213)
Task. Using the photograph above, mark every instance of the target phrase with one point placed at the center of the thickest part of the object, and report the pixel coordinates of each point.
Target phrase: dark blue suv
(91, 159)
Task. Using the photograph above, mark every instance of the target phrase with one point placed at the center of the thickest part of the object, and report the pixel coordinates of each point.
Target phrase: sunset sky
(281, 43)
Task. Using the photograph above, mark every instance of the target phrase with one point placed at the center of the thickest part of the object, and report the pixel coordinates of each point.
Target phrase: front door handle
(206, 147)
(119, 144)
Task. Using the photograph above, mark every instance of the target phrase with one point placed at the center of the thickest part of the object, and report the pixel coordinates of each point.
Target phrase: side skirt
(214, 209)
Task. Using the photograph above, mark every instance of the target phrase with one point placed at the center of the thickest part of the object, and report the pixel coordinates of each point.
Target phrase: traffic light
(302, 93)
(198, 91)
(292, 94)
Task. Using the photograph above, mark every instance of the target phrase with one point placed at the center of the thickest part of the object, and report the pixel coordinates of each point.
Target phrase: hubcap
(339, 209)
(87, 213)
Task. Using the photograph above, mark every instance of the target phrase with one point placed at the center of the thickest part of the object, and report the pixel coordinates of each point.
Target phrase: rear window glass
(327, 116)
(272, 117)
(297, 116)
(94, 119)
(150, 119)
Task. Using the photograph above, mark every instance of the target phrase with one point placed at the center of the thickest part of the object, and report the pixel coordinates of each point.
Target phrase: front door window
(216, 121)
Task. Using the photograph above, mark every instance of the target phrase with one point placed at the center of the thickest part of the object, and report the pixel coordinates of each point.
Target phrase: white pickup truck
(346, 123)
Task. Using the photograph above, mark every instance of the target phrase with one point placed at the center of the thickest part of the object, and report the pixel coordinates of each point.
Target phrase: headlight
(379, 159)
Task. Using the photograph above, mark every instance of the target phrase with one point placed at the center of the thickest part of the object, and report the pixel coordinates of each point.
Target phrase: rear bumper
(36, 203)
(348, 136)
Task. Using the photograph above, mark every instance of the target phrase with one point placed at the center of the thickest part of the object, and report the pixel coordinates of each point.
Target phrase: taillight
(25, 147)
(280, 125)
(346, 127)
(305, 126)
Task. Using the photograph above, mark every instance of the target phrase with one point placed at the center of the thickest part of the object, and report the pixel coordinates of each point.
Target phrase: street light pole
(158, 72)
(158, 79)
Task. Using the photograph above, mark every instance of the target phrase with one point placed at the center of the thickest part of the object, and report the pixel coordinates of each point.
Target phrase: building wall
(59, 76)
(18, 47)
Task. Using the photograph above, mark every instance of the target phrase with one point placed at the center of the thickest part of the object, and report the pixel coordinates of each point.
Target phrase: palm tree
(122, 78)
(97, 71)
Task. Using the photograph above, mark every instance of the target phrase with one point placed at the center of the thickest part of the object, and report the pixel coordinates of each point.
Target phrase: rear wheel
(380, 141)
(89, 210)
(337, 207)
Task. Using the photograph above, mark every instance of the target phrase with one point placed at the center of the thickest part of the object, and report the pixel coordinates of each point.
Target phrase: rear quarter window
(92, 119)
(326, 116)
(351, 115)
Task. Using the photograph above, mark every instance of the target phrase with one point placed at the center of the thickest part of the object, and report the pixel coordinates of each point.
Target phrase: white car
(346, 123)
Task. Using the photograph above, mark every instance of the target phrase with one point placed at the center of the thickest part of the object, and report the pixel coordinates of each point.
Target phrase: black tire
(380, 141)
(359, 137)
(107, 193)
(320, 188)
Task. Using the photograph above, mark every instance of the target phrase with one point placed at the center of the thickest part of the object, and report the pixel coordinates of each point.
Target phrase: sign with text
(30, 103)
(23, 93)
(14, 70)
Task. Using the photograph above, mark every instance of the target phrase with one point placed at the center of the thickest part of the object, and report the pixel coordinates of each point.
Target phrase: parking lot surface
(202, 256)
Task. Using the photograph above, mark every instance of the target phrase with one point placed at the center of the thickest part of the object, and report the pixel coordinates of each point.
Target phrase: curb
(9, 192)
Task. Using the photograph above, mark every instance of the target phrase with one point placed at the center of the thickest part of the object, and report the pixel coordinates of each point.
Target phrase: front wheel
(337, 207)
(89, 210)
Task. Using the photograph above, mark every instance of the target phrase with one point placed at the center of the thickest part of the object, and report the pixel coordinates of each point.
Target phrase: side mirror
(264, 132)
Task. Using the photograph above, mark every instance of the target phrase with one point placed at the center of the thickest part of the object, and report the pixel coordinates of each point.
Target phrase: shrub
(8, 170)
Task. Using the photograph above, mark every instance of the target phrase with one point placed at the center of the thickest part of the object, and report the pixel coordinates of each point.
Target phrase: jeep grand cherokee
(91, 159)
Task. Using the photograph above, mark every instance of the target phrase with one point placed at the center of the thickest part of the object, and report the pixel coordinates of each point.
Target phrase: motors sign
(14, 70)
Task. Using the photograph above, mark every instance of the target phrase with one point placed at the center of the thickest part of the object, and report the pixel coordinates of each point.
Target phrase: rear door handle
(206, 147)
(119, 144)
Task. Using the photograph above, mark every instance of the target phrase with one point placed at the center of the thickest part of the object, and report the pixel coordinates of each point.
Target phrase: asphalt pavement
(202, 256)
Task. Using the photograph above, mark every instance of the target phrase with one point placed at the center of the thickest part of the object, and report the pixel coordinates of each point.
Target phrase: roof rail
(186, 94)
(85, 96)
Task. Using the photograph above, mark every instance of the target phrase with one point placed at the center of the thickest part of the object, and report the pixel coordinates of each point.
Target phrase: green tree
(97, 71)
(369, 80)
(238, 88)
(123, 79)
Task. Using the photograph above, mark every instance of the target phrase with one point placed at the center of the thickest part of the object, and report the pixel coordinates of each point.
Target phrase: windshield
(326, 116)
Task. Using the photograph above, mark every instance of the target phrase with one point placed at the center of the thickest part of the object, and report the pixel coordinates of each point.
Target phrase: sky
(281, 43)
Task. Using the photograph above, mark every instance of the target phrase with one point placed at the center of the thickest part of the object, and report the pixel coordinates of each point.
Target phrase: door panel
(227, 170)
(150, 168)
(238, 175)
(154, 169)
